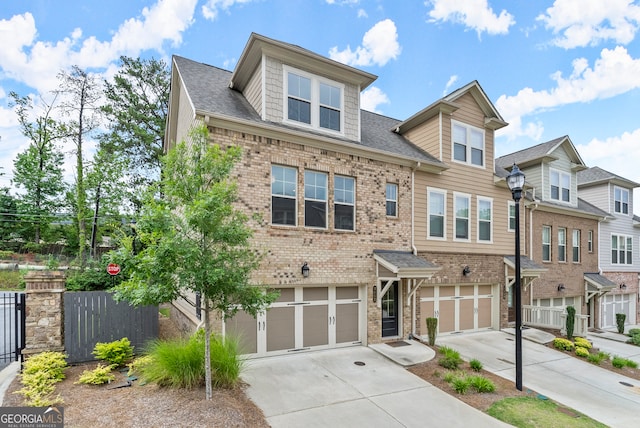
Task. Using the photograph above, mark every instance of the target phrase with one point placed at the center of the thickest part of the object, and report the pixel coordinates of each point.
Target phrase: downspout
(532, 207)
(413, 246)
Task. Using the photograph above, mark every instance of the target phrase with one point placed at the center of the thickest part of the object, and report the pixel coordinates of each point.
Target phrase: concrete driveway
(334, 389)
(587, 388)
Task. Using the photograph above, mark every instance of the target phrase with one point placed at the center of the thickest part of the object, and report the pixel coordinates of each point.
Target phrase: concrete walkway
(7, 374)
(352, 387)
(585, 387)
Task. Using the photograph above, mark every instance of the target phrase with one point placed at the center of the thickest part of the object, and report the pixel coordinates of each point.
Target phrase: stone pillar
(45, 312)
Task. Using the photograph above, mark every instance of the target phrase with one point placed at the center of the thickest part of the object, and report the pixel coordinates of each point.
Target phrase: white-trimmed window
(468, 144)
(560, 186)
(283, 195)
(621, 200)
(485, 219)
(562, 244)
(575, 254)
(462, 209)
(546, 243)
(344, 202)
(436, 201)
(511, 206)
(590, 241)
(392, 199)
(313, 100)
(621, 249)
(315, 199)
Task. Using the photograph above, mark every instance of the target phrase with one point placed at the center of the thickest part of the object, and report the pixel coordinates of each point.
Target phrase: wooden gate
(93, 316)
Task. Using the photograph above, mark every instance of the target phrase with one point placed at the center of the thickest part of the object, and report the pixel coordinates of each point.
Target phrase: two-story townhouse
(461, 220)
(619, 237)
(328, 188)
(561, 235)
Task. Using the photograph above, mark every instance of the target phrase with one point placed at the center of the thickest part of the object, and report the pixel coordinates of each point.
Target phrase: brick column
(45, 312)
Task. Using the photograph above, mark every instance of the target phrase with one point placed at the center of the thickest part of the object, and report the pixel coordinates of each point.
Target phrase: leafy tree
(81, 93)
(38, 170)
(205, 249)
(8, 214)
(137, 102)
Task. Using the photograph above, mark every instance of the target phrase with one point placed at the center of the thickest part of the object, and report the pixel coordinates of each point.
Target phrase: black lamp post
(515, 180)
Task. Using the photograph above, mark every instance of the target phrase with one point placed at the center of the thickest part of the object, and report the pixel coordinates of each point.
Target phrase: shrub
(136, 366)
(635, 340)
(582, 343)
(620, 318)
(450, 363)
(432, 328)
(619, 362)
(598, 358)
(481, 384)
(176, 363)
(226, 362)
(571, 319)
(634, 331)
(98, 376)
(40, 373)
(582, 352)
(116, 353)
(460, 385)
(563, 344)
(475, 365)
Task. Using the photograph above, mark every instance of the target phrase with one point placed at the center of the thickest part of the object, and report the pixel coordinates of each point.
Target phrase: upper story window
(560, 186)
(315, 199)
(344, 202)
(461, 210)
(436, 200)
(590, 241)
(575, 255)
(468, 144)
(313, 101)
(562, 244)
(485, 219)
(546, 243)
(512, 216)
(621, 249)
(392, 199)
(621, 200)
(283, 195)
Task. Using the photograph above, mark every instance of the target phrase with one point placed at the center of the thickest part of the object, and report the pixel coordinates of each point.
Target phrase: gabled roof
(405, 264)
(207, 88)
(448, 105)
(596, 176)
(541, 153)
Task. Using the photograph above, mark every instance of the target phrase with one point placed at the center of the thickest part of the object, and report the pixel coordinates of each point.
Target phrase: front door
(390, 311)
(512, 310)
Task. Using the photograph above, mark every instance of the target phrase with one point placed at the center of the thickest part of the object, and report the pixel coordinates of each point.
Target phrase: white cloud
(475, 14)
(371, 98)
(589, 22)
(362, 13)
(379, 45)
(618, 154)
(452, 80)
(614, 73)
(212, 8)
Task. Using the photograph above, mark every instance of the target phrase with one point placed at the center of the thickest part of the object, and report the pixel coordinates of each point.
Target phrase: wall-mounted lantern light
(623, 286)
(560, 287)
(466, 271)
(305, 270)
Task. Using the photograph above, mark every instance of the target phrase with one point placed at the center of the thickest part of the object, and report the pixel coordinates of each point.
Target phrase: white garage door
(303, 318)
(458, 308)
(612, 304)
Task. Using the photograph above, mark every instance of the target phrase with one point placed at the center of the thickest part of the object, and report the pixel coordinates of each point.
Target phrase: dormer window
(560, 186)
(621, 202)
(313, 101)
(468, 144)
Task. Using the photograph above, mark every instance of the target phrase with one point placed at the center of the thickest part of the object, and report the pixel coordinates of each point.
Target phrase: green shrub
(450, 376)
(481, 384)
(432, 328)
(98, 376)
(40, 373)
(451, 359)
(226, 363)
(563, 344)
(582, 352)
(633, 331)
(175, 363)
(635, 340)
(116, 353)
(475, 365)
(12, 280)
(598, 358)
(571, 319)
(619, 362)
(620, 319)
(445, 349)
(582, 343)
(460, 385)
(136, 366)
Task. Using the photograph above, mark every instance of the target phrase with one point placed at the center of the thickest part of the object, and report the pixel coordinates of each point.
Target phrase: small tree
(194, 240)
(432, 328)
(620, 319)
(571, 320)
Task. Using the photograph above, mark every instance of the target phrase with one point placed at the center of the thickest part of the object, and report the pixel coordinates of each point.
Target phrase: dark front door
(512, 310)
(390, 311)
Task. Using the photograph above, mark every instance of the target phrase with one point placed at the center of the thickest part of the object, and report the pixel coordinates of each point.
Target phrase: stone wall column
(44, 312)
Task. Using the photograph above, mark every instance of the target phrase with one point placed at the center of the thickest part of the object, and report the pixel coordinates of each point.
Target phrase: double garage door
(303, 318)
(612, 304)
(458, 307)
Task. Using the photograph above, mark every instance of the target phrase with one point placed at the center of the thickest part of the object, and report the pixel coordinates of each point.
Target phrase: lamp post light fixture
(515, 180)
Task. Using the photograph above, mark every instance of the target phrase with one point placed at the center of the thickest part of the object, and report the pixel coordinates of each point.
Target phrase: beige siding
(427, 137)
(186, 116)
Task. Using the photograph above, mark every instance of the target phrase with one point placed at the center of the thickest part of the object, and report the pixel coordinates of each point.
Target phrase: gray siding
(253, 91)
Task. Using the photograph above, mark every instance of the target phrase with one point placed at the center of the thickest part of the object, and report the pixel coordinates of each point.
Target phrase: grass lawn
(531, 412)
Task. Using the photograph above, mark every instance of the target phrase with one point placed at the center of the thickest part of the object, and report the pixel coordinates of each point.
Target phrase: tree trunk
(94, 228)
(207, 351)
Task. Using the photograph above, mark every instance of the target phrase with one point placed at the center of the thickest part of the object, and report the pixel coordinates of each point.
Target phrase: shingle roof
(404, 259)
(525, 263)
(599, 281)
(208, 89)
(596, 175)
(530, 153)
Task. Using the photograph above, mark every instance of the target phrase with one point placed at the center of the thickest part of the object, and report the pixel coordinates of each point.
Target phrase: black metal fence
(12, 325)
(93, 316)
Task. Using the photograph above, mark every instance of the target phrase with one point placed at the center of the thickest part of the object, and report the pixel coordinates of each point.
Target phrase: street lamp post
(515, 180)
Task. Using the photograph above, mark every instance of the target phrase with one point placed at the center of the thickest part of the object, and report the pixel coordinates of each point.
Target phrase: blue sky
(552, 68)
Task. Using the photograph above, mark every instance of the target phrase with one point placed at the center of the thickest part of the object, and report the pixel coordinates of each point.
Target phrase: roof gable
(596, 176)
(543, 153)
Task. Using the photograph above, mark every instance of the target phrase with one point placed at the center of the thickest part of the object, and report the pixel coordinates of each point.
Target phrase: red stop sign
(113, 269)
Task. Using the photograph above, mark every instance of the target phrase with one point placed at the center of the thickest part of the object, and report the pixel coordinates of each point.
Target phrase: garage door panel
(484, 313)
(347, 325)
(446, 316)
(244, 327)
(458, 308)
(466, 314)
(315, 325)
(280, 329)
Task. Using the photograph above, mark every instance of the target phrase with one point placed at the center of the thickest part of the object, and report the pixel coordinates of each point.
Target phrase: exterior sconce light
(305, 270)
(466, 271)
(623, 286)
(560, 287)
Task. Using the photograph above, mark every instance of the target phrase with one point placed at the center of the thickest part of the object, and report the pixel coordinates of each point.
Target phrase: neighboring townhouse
(619, 238)
(461, 220)
(328, 188)
(561, 234)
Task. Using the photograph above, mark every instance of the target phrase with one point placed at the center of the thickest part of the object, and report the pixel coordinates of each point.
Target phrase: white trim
(561, 174)
(326, 200)
(295, 198)
(469, 131)
(455, 216)
(442, 192)
(478, 219)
